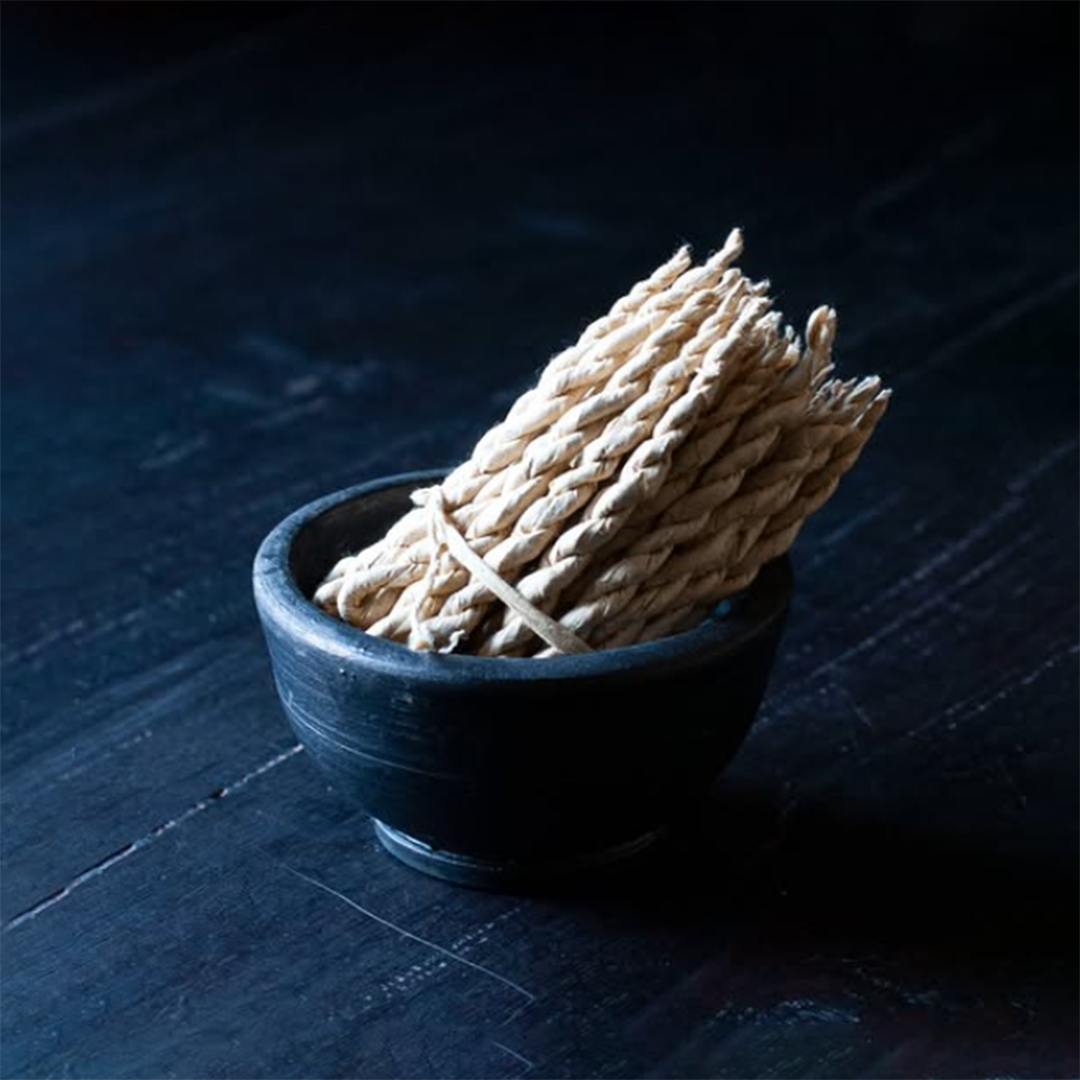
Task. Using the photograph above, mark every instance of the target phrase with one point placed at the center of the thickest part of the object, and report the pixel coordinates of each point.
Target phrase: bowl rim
(280, 601)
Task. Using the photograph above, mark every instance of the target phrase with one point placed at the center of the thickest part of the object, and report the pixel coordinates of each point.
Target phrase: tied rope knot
(447, 538)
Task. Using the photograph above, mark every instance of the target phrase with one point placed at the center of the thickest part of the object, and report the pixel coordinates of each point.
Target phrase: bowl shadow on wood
(821, 879)
(820, 931)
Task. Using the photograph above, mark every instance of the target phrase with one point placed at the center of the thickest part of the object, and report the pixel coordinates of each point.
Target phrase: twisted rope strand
(644, 422)
(655, 467)
(503, 498)
(766, 537)
(641, 477)
(567, 378)
(699, 512)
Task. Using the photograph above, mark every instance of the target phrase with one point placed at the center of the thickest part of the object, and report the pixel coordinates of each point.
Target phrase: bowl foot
(509, 874)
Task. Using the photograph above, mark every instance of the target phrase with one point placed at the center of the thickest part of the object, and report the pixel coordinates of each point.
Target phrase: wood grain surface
(250, 258)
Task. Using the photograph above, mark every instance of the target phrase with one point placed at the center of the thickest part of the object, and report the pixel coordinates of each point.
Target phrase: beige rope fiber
(652, 471)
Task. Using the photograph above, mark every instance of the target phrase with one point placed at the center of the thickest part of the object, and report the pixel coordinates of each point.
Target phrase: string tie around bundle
(446, 537)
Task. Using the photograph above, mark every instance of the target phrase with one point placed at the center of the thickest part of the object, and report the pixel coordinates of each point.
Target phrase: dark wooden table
(253, 256)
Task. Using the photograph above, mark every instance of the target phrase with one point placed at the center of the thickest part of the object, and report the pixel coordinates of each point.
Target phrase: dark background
(254, 254)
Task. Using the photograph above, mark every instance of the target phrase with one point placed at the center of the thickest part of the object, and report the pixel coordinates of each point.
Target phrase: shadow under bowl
(505, 773)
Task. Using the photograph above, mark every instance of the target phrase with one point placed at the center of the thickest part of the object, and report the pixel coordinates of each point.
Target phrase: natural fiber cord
(656, 466)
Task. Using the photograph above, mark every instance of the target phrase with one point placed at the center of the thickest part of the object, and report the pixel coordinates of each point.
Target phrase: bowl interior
(343, 529)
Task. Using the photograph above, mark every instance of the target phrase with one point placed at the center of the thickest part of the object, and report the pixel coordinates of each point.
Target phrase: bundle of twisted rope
(656, 466)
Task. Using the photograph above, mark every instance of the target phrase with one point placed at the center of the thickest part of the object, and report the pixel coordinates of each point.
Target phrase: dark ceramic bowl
(501, 772)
